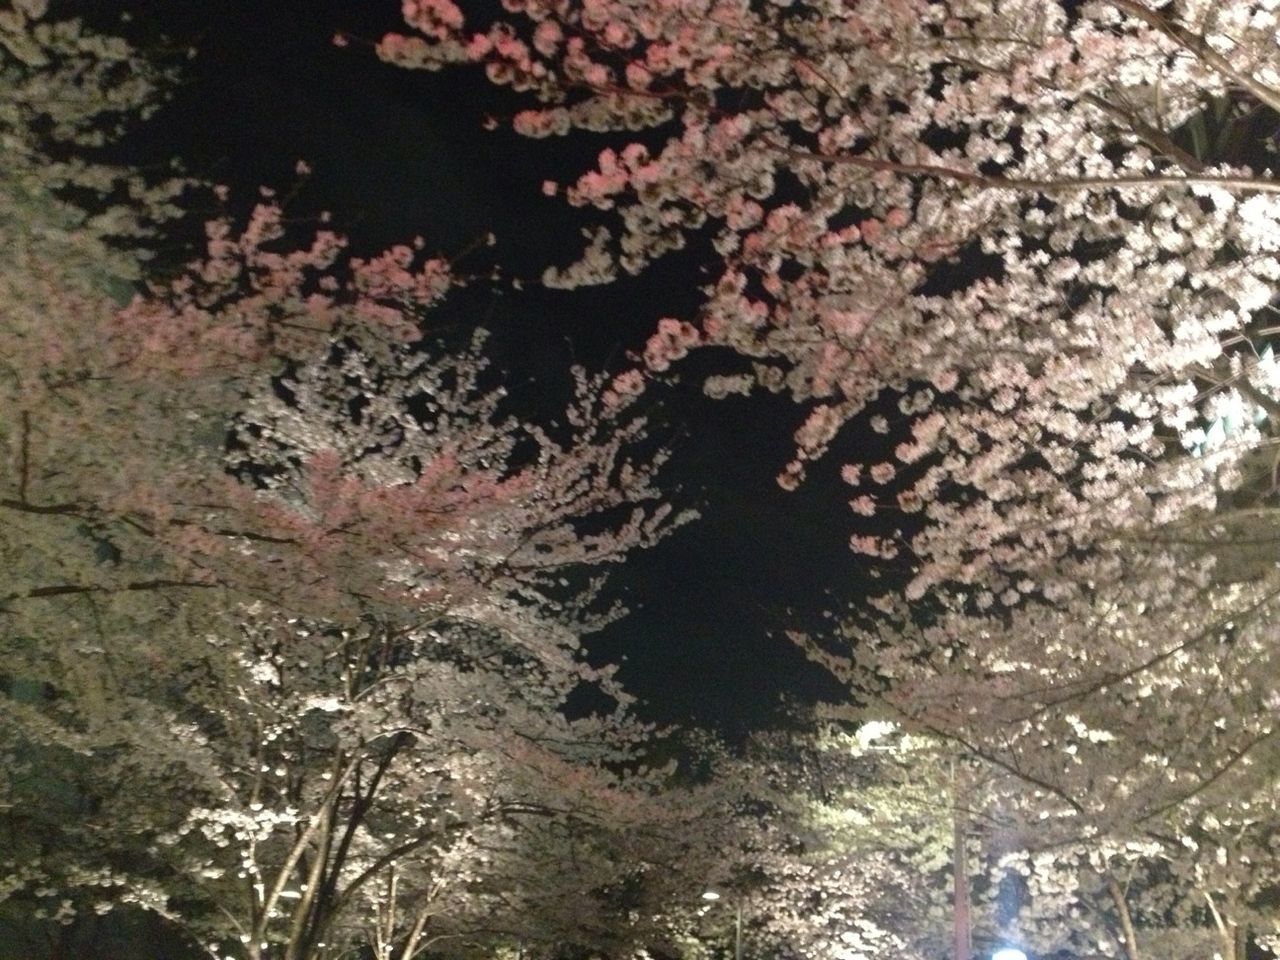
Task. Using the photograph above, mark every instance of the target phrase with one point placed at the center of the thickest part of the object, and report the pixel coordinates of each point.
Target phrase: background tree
(300, 788)
(1133, 736)
(399, 498)
(266, 603)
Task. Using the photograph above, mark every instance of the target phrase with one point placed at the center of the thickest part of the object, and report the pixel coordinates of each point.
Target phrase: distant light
(1008, 953)
(712, 895)
(296, 895)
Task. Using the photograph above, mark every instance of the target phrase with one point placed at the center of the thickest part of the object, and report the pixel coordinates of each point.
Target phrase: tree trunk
(1229, 935)
(1126, 919)
(961, 923)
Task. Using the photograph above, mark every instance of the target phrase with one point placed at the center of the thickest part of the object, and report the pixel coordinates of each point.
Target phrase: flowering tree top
(998, 215)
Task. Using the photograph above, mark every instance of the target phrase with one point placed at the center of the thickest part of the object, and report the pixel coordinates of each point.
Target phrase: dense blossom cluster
(990, 212)
(1035, 244)
(407, 501)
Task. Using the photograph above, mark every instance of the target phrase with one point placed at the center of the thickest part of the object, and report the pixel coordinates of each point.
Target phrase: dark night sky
(398, 154)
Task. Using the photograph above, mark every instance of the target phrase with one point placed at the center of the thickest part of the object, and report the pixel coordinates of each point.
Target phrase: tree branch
(1026, 184)
(1233, 758)
(1200, 49)
(24, 456)
(1126, 919)
(54, 509)
(62, 589)
(1267, 403)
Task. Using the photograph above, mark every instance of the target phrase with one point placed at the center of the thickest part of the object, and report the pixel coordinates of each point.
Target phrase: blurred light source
(1008, 953)
(712, 895)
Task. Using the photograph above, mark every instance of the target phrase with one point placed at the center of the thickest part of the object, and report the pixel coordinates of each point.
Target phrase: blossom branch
(1027, 184)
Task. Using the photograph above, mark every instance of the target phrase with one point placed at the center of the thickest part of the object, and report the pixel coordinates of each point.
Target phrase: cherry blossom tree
(1033, 244)
(868, 832)
(380, 499)
(301, 602)
(69, 90)
(637, 873)
(299, 788)
(854, 857)
(408, 508)
(1132, 740)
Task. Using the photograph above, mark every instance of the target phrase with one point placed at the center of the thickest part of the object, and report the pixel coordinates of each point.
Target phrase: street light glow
(712, 895)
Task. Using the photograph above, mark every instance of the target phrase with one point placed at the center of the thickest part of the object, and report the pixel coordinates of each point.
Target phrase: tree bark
(1126, 919)
(961, 922)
